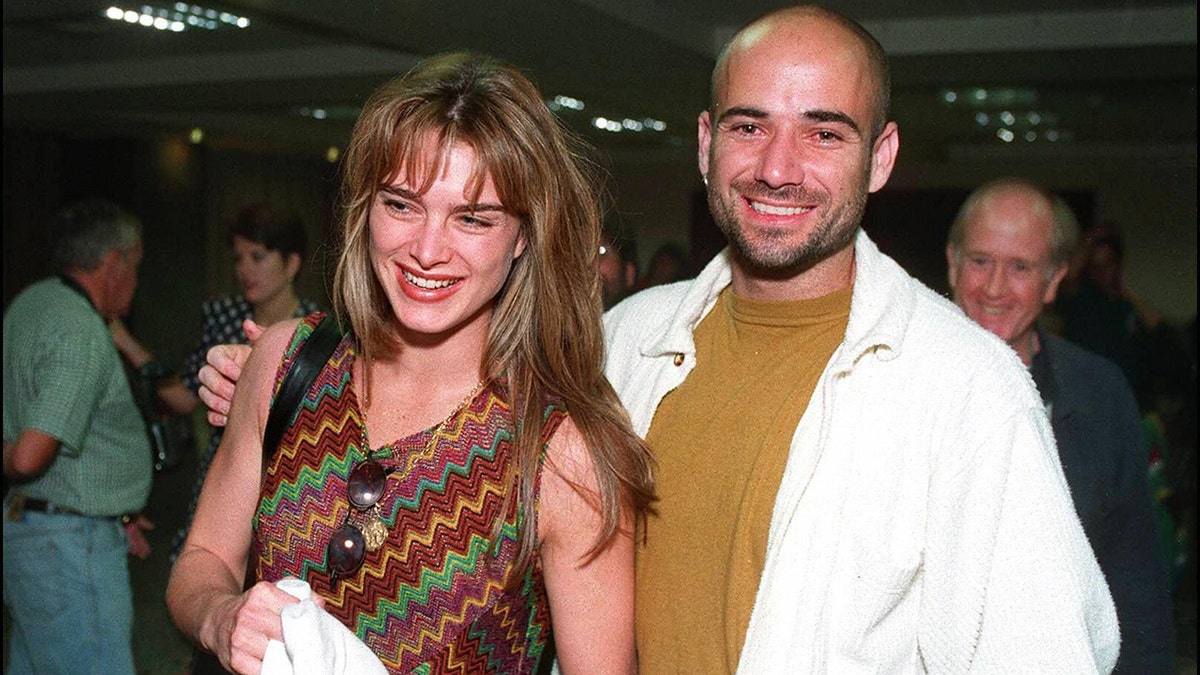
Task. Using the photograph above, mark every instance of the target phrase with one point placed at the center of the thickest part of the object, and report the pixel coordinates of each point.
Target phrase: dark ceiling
(1099, 76)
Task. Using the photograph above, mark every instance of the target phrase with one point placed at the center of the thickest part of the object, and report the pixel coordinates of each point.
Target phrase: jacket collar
(880, 307)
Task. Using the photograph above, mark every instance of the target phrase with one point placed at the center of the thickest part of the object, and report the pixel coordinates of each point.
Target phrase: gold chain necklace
(375, 530)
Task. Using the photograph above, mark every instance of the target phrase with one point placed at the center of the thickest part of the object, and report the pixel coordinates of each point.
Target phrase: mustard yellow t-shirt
(721, 441)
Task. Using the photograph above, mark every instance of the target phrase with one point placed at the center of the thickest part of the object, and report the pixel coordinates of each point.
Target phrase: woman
(268, 251)
(472, 375)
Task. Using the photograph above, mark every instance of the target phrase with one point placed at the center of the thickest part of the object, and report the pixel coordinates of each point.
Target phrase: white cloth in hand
(315, 643)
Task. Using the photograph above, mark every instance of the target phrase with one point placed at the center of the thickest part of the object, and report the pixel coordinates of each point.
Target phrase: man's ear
(951, 265)
(704, 136)
(1052, 287)
(883, 155)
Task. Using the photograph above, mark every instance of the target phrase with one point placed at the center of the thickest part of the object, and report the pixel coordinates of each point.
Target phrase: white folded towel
(315, 643)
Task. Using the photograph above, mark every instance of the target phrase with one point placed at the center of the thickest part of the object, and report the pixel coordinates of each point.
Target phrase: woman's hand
(239, 627)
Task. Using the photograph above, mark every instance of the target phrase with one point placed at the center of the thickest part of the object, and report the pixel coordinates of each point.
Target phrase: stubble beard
(768, 253)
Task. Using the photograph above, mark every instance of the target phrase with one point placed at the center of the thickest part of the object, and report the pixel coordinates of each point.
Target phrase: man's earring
(704, 177)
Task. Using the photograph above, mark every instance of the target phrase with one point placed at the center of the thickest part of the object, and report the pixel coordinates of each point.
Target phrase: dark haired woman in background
(268, 251)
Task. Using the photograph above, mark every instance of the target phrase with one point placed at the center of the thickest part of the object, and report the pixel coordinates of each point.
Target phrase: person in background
(1007, 253)
(269, 249)
(76, 455)
(618, 271)
(462, 480)
(1101, 313)
(667, 265)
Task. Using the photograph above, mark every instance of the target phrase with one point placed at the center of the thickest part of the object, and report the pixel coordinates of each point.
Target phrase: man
(852, 476)
(76, 455)
(1105, 316)
(1008, 251)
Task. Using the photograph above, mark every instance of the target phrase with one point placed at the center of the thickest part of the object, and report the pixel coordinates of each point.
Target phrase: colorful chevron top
(434, 599)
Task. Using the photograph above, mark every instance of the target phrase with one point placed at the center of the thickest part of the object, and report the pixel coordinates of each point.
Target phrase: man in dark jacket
(1007, 254)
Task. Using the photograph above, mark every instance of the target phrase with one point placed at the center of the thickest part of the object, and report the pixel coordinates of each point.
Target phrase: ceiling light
(178, 19)
(196, 136)
(569, 102)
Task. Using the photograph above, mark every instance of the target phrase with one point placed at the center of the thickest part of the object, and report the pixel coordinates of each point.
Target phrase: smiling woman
(461, 481)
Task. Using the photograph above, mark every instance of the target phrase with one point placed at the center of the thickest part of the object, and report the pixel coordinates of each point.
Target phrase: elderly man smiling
(1007, 254)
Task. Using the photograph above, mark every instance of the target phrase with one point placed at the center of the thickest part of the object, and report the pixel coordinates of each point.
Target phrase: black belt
(44, 506)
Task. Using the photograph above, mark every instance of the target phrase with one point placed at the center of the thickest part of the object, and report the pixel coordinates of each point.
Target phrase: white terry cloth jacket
(923, 523)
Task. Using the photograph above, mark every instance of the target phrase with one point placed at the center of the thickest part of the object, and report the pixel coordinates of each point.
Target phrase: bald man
(852, 476)
(1008, 251)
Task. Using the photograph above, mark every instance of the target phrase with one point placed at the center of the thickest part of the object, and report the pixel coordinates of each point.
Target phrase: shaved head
(783, 24)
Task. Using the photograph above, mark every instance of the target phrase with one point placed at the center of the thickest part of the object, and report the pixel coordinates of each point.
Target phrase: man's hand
(138, 546)
(220, 375)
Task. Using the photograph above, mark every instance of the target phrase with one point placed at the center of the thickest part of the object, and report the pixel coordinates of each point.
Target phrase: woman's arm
(204, 594)
(591, 599)
(172, 392)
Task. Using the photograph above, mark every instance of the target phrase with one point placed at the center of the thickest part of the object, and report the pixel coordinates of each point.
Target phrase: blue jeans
(66, 585)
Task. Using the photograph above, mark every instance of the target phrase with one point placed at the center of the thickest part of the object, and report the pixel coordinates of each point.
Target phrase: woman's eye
(473, 221)
(396, 205)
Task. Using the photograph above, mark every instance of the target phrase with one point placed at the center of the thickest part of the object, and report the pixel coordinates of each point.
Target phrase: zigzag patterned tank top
(434, 598)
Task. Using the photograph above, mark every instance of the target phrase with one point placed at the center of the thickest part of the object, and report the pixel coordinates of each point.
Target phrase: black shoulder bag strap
(309, 361)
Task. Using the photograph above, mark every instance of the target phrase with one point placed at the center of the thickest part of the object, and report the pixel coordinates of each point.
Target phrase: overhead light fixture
(561, 103)
(569, 102)
(196, 136)
(628, 124)
(177, 19)
(996, 112)
(333, 113)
